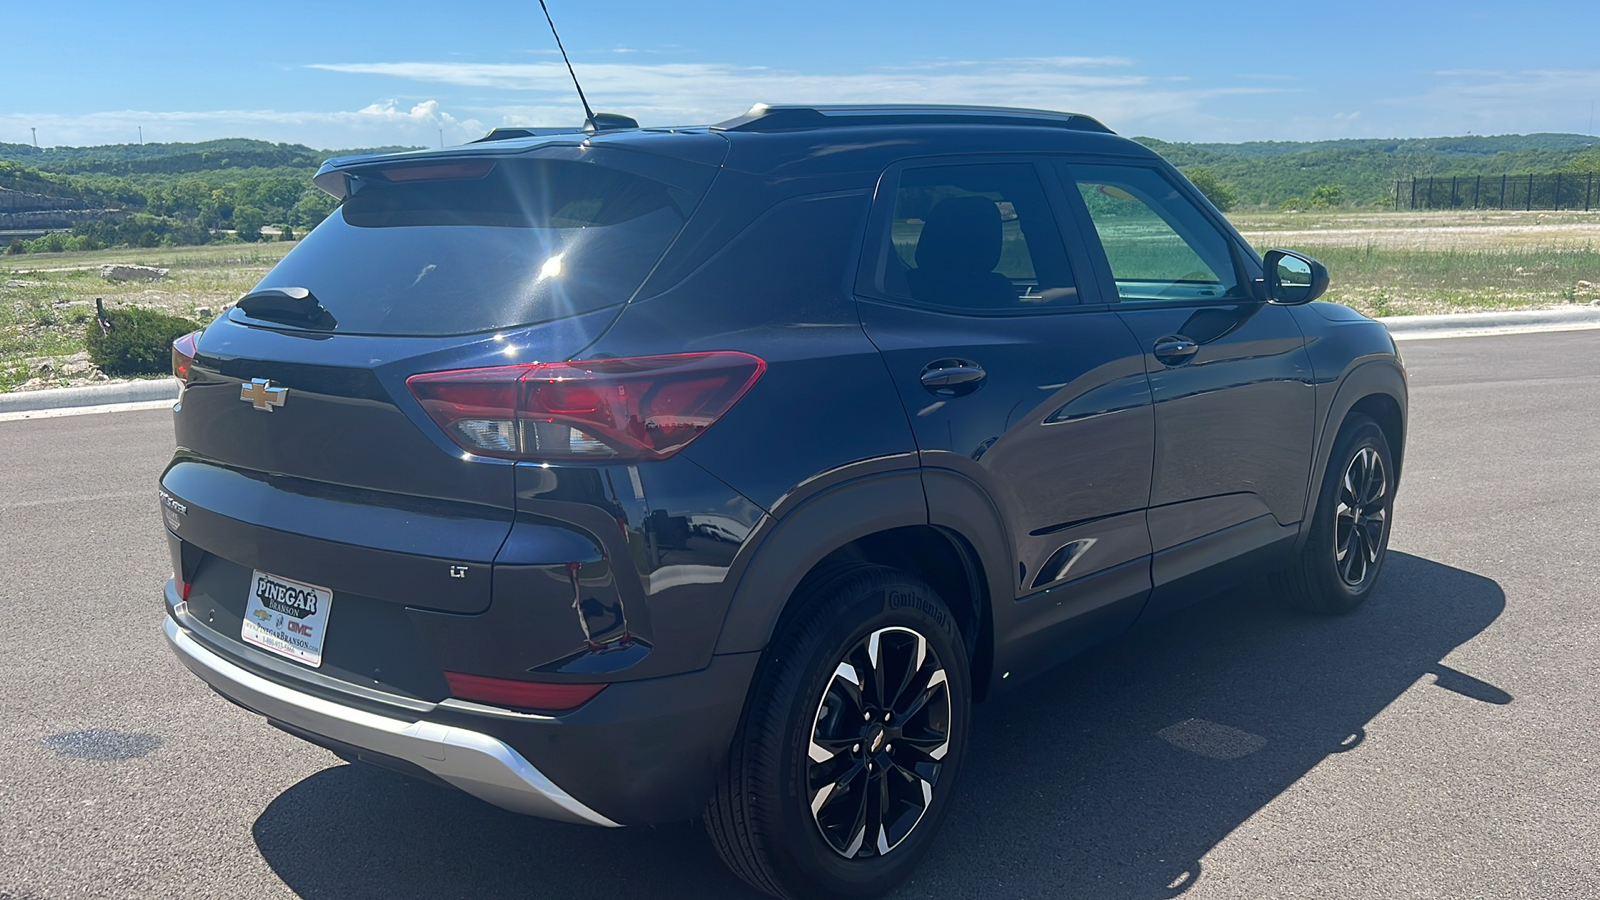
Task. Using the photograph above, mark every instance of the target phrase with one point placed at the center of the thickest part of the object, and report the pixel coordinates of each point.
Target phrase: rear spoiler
(662, 161)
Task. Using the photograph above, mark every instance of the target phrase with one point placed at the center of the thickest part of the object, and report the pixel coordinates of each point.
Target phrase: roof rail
(765, 118)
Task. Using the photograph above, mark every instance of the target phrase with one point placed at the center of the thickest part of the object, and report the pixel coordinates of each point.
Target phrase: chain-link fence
(1552, 191)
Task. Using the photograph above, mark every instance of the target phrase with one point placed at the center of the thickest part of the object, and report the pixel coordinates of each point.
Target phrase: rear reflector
(601, 410)
(183, 351)
(522, 694)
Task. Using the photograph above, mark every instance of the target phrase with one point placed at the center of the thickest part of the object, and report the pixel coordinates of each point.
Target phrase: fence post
(1397, 195)
(1530, 193)
(1502, 193)
(1453, 199)
(1586, 188)
(1477, 186)
(1413, 193)
(1558, 192)
(1430, 192)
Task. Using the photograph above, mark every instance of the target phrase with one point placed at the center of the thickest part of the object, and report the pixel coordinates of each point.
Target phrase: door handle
(1175, 349)
(952, 377)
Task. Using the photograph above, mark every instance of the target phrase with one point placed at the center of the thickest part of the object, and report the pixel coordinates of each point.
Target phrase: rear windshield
(483, 244)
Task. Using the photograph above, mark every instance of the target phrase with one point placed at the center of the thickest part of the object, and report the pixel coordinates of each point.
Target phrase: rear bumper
(643, 752)
(483, 766)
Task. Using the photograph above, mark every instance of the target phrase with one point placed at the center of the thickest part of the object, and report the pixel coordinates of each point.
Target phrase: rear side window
(484, 244)
(976, 238)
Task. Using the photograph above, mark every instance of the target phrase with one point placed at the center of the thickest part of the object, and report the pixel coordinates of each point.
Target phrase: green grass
(1387, 264)
(1385, 281)
(45, 312)
(1382, 263)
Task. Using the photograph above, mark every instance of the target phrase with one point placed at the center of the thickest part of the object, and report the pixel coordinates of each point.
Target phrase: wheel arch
(1375, 388)
(882, 519)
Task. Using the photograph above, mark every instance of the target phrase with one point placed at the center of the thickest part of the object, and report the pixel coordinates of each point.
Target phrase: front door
(1229, 375)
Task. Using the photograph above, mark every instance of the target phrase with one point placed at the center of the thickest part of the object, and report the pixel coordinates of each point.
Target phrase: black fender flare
(849, 503)
(962, 507)
(1365, 378)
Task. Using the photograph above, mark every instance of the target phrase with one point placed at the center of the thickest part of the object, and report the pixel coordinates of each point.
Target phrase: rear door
(1229, 374)
(972, 293)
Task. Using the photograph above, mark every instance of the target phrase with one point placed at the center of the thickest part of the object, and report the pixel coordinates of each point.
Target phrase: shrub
(139, 341)
(1324, 196)
(1216, 190)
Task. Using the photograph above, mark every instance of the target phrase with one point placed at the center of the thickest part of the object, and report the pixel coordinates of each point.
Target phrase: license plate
(289, 618)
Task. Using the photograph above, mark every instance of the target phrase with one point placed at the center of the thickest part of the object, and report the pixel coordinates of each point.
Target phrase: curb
(91, 395)
(1402, 327)
(1511, 320)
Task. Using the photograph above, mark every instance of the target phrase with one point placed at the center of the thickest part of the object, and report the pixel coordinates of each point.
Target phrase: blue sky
(361, 73)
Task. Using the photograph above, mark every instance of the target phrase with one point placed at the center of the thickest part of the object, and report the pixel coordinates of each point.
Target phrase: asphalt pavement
(1441, 742)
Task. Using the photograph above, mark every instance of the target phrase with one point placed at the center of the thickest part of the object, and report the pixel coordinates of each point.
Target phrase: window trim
(1246, 262)
(878, 243)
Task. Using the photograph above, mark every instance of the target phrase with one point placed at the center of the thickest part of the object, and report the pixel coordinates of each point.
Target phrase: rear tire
(852, 738)
(1349, 539)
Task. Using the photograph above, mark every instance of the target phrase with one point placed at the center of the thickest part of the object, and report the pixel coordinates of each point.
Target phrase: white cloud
(675, 93)
(381, 123)
(1491, 101)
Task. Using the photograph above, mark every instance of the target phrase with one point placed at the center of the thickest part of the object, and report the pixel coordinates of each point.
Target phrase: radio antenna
(588, 113)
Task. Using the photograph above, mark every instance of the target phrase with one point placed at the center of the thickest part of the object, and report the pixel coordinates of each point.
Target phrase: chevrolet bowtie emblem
(260, 393)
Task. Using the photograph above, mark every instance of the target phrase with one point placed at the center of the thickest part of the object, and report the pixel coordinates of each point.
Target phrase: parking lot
(1441, 742)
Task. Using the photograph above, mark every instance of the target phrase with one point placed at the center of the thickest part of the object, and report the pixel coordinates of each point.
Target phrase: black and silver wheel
(1361, 518)
(853, 734)
(1349, 536)
(878, 744)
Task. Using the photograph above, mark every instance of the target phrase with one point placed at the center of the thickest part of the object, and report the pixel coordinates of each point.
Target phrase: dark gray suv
(628, 475)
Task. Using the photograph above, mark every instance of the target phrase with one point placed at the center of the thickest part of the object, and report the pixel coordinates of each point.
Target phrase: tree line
(174, 194)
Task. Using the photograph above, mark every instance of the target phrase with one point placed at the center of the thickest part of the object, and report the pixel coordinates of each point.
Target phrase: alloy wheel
(878, 742)
(1361, 517)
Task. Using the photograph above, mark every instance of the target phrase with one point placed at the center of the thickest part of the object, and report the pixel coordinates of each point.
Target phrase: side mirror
(1293, 278)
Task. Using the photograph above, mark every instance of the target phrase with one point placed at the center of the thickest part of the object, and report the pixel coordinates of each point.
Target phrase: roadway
(1441, 742)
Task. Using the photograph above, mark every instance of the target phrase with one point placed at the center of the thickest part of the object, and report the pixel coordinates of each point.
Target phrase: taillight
(523, 694)
(183, 351)
(639, 408)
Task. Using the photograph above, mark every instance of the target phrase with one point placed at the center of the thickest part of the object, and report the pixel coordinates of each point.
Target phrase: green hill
(173, 159)
(228, 189)
(1270, 173)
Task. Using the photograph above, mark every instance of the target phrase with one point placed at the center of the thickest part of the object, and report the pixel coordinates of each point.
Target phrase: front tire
(844, 765)
(1349, 538)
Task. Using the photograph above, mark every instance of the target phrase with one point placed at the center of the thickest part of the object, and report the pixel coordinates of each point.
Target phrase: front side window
(975, 238)
(1160, 246)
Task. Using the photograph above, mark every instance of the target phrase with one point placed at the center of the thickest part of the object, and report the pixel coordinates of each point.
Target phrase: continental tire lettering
(902, 599)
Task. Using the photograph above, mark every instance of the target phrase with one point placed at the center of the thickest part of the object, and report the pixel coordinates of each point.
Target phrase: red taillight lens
(640, 408)
(522, 694)
(183, 351)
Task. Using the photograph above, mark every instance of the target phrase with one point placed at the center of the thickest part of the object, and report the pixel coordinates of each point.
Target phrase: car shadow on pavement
(1108, 778)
